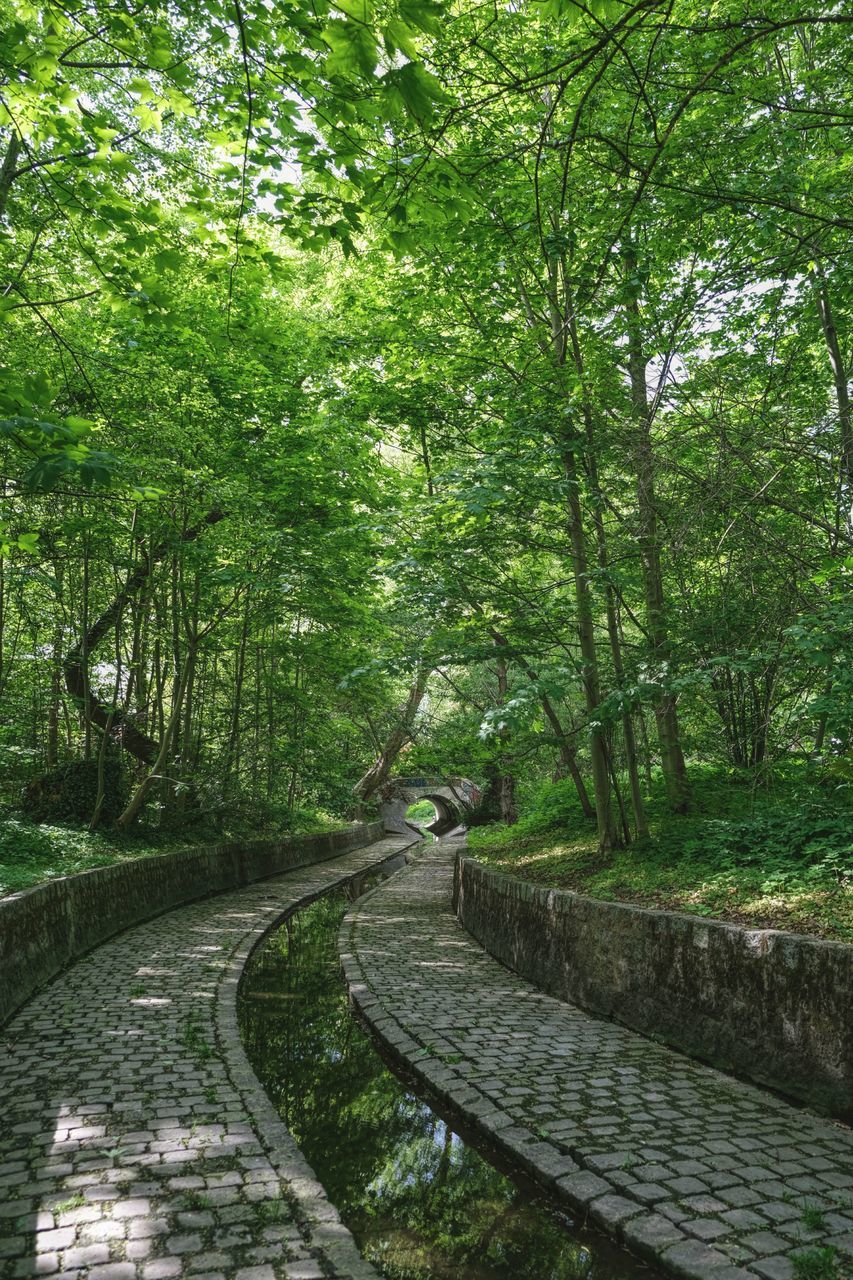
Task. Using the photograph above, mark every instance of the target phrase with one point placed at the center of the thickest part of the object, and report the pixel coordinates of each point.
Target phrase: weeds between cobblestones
(137, 1143)
(710, 1178)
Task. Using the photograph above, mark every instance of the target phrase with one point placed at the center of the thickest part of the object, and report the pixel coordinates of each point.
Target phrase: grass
(66, 1206)
(31, 852)
(781, 858)
(813, 1217)
(815, 1264)
(192, 1037)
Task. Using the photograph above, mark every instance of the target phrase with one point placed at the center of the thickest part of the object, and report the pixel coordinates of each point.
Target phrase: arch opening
(447, 816)
(422, 813)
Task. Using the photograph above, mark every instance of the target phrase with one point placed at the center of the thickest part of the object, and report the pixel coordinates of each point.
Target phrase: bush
(69, 792)
(555, 807)
(814, 841)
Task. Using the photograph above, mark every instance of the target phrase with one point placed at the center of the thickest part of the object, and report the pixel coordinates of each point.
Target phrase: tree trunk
(820, 732)
(565, 746)
(647, 754)
(377, 774)
(85, 704)
(840, 379)
(554, 347)
(156, 772)
(611, 612)
(54, 707)
(607, 836)
(232, 750)
(666, 716)
(76, 666)
(506, 781)
(7, 170)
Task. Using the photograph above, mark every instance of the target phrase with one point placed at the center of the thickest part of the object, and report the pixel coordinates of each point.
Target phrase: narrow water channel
(422, 1203)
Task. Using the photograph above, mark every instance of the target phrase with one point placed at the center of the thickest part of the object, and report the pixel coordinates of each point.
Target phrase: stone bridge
(451, 798)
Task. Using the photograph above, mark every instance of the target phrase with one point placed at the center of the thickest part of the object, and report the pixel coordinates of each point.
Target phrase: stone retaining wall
(43, 929)
(774, 1007)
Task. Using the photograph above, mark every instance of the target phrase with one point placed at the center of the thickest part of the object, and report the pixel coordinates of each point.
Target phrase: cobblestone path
(707, 1176)
(135, 1141)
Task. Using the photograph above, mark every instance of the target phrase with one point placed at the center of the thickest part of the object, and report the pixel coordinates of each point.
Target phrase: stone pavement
(135, 1141)
(704, 1175)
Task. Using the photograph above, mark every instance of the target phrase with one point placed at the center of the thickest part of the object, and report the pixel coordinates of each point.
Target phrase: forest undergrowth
(772, 857)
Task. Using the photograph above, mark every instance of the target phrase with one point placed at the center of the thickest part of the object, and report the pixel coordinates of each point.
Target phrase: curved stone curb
(137, 1143)
(701, 1175)
(769, 1006)
(321, 1220)
(45, 929)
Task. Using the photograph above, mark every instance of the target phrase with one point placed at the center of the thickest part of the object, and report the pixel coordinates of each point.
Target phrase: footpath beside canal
(136, 1141)
(704, 1175)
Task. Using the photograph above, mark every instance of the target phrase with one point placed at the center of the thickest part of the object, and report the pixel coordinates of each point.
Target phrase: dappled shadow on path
(679, 1160)
(126, 1142)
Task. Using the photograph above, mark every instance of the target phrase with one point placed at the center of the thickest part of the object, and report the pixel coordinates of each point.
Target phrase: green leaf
(399, 36)
(354, 49)
(168, 260)
(418, 88)
(360, 10)
(426, 15)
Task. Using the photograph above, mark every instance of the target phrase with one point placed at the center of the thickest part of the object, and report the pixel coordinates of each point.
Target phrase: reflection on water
(420, 1201)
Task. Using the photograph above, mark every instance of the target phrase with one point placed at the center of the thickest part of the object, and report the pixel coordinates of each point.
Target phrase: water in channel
(422, 1203)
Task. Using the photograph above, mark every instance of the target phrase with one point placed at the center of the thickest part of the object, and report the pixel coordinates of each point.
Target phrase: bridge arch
(451, 798)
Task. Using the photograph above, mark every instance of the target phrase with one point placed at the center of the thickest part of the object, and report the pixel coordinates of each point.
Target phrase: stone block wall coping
(45, 928)
(561, 900)
(766, 1004)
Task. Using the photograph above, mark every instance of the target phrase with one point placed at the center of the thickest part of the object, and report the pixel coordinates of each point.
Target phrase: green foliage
(61, 448)
(72, 1202)
(823, 640)
(344, 341)
(192, 1037)
(31, 853)
(808, 845)
(553, 807)
(813, 1217)
(423, 811)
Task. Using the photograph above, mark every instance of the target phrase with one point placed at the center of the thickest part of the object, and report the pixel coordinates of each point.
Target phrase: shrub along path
(707, 1176)
(136, 1142)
